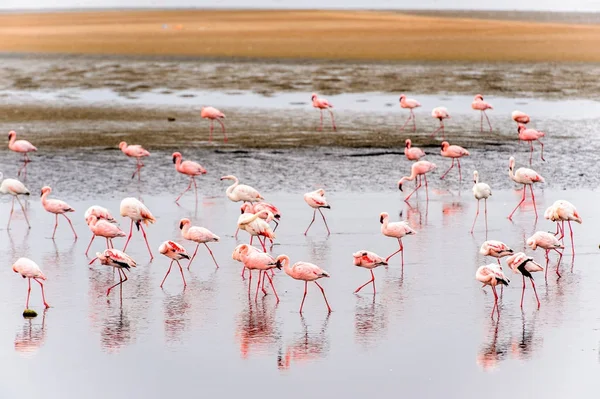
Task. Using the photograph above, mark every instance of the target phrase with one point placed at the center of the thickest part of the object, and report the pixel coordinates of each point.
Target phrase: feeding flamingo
(135, 151)
(548, 242)
(140, 215)
(479, 105)
(199, 235)
(214, 115)
(316, 200)
(103, 228)
(492, 275)
(410, 104)
(306, 272)
(455, 152)
(188, 168)
(254, 225)
(525, 265)
(418, 169)
(15, 188)
(175, 252)
(22, 146)
(30, 270)
(412, 153)
(261, 261)
(322, 104)
(98, 212)
(369, 260)
(241, 192)
(520, 117)
(560, 212)
(495, 249)
(395, 230)
(57, 207)
(119, 260)
(237, 254)
(440, 113)
(481, 191)
(530, 135)
(526, 177)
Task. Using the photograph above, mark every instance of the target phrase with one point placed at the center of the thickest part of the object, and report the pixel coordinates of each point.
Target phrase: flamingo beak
(180, 225)
(381, 219)
(174, 159)
(41, 193)
(399, 188)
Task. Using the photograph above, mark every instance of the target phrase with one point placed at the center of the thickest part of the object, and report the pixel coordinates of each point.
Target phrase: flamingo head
(531, 242)
(92, 219)
(445, 145)
(402, 97)
(479, 97)
(314, 95)
(475, 177)
(521, 127)
(228, 177)
(246, 207)
(184, 222)
(408, 143)
(122, 144)
(383, 216)
(46, 189)
(511, 163)
(11, 134)
(175, 156)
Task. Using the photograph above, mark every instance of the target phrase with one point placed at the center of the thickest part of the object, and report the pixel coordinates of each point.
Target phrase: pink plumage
(526, 177)
(119, 260)
(99, 212)
(140, 215)
(479, 105)
(322, 104)
(520, 117)
(261, 261)
(496, 249)
(175, 252)
(492, 275)
(316, 200)
(412, 153)
(395, 230)
(104, 228)
(522, 264)
(188, 168)
(544, 240)
(418, 169)
(199, 235)
(440, 113)
(30, 270)
(455, 152)
(531, 135)
(135, 151)
(410, 104)
(57, 207)
(213, 115)
(369, 260)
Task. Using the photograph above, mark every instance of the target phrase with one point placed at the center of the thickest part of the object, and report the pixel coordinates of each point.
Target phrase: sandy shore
(357, 35)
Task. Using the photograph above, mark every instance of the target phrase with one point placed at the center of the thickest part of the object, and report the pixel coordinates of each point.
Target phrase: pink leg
(304, 297)
(122, 279)
(518, 205)
(181, 271)
(485, 207)
(223, 129)
(211, 129)
(311, 222)
(70, 224)
(12, 209)
(23, 209)
(90, 244)
(426, 187)
(43, 295)
(407, 120)
(437, 130)
(542, 144)
(323, 291)
(262, 243)
(481, 123)
(572, 242)
(560, 255)
(459, 171)
(523, 292)
(184, 191)
(146, 239)
(327, 227)
(92, 261)
(128, 237)
(262, 286)
(488, 121)
(244, 271)
(236, 232)
(193, 256)
(495, 307)
(257, 285)
(414, 191)
(547, 261)
(399, 250)
(321, 125)
(55, 225)
(533, 199)
(168, 271)
(451, 166)
(372, 280)
(28, 293)
(443, 130)
(530, 152)
(196, 187)
(211, 254)
(414, 120)
(476, 214)
(332, 120)
(535, 292)
(272, 286)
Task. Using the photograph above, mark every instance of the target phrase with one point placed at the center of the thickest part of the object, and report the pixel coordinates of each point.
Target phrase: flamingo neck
(185, 229)
(44, 197)
(233, 186)
(178, 163)
(12, 140)
(286, 265)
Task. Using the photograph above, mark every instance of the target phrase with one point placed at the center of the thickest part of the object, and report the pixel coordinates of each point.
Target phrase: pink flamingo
(316, 200)
(495, 249)
(418, 169)
(140, 215)
(455, 152)
(30, 270)
(492, 275)
(410, 104)
(103, 228)
(322, 104)
(306, 272)
(100, 213)
(22, 146)
(214, 115)
(412, 153)
(479, 105)
(395, 230)
(265, 206)
(240, 192)
(15, 188)
(119, 260)
(175, 252)
(263, 262)
(189, 168)
(526, 177)
(237, 254)
(368, 260)
(440, 113)
(57, 207)
(524, 265)
(135, 151)
(481, 191)
(560, 212)
(254, 225)
(520, 117)
(531, 135)
(548, 242)
(199, 235)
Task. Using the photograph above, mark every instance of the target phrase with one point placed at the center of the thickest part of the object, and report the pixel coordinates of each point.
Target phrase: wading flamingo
(135, 151)
(455, 152)
(306, 272)
(188, 168)
(237, 254)
(214, 115)
(548, 242)
(495, 249)
(316, 200)
(240, 192)
(440, 113)
(175, 252)
(30, 270)
(520, 117)
(103, 228)
(100, 213)
(57, 207)
(560, 212)
(412, 153)
(140, 215)
(531, 135)
(418, 169)
(119, 260)
(526, 177)
(492, 275)
(368, 260)
(21, 146)
(263, 262)
(525, 265)
(322, 104)
(395, 230)
(410, 104)
(15, 188)
(479, 105)
(254, 225)
(265, 206)
(199, 235)
(481, 191)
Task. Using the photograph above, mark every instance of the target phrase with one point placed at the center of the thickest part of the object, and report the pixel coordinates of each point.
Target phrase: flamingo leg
(488, 121)
(426, 188)
(414, 191)
(560, 255)
(184, 191)
(236, 232)
(372, 280)
(12, 209)
(193, 256)
(321, 126)
(146, 239)
(324, 297)
(181, 271)
(443, 129)
(262, 286)
(542, 144)
(168, 271)
(90, 244)
(332, 120)
(476, 214)
(547, 261)
(28, 293)
(531, 152)
(523, 292)
(262, 243)
(571, 234)
(43, 294)
(495, 307)
(519, 204)
(407, 120)
(304, 297)
(481, 123)
(535, 292)
(129, 236)
(70, 224)
(211, 254)
(276, 225)
(533, 200)
(223, 130)
(485, 211)
(23, 209)
(459, 171)
(451, 166)
(55, 225)
(412, 114)
(211, 129)
(437, 130)
(244, 271)
(399, 250)
(196, 187)
(327, 227)
(272, 286)
(312, 221)
(257, 285)
(122, 279)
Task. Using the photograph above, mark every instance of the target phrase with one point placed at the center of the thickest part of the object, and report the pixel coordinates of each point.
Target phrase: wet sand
(358, 35)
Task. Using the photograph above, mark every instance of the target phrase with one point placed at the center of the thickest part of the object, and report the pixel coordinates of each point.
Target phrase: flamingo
(440, 113)
(479, 105)
(140, 215)
(520, 117)
(322, 104)
(199, 235)
(531, 135)
(560, 212)
(368, 260)
(455, 152)
(316, 200)
(395, 230)
(265, 206)
(30, 270)
(57, 207)
(214, 115)
(410, 104)
(495, 249)
(492, 275)
(119, 260)
(548, 242)
(412, 153)
(15, 188)
(481, 191)
(100, 213)
(254, 225)
(175, 252)
(237, 254)
(306, 272)
(526, 177)
(240, 192)
(103, 228)
(418, 169)
(134, 151)
(263, 262)
(189, 168)
(524, 265)
(22, 146)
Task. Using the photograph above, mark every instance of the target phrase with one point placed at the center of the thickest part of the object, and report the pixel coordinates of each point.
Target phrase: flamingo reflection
(492, 352)
(116, 332)
(176, 319)
(370, 321)
(308, 347)
(31, 336)
(256, 329)
(522, 347)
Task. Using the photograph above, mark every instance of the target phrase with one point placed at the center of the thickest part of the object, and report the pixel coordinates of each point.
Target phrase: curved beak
(400, 186)
(180, 225)
(381, 219)
(41, 193)
(174, 159)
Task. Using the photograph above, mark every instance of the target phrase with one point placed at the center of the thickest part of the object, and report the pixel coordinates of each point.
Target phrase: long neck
(384, 225)
(234, 185)
(45, 197)
(413, 175)
(511, 172)
(13, 137)
(186, 228)
(286, 265)
(177, 162)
